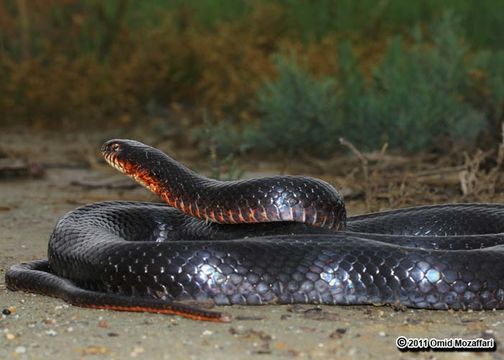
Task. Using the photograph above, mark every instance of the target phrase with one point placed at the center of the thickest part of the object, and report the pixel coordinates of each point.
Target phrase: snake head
(135, 159)
(115, 152)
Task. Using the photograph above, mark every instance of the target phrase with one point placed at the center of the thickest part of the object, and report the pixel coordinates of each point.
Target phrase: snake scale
(275, 240)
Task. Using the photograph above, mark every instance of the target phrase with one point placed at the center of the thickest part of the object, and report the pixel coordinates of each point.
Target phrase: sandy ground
(46, 328)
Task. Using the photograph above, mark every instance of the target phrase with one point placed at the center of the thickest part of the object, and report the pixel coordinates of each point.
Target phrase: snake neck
(278, 198)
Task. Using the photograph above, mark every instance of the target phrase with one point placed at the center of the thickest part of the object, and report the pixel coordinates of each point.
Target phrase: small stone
(51, 332)
(10, 336)
(12, 309)
(20, 350)
(50, 321)
(137, 350)
(95, 350)
(338, 333)
(207, 333)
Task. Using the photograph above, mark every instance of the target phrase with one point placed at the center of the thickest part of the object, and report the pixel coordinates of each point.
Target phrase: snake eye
(115, 147)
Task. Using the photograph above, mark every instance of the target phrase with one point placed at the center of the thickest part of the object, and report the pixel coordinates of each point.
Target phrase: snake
(272, 240)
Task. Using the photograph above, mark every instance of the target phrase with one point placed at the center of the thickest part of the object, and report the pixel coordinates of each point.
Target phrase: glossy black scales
(161, 253)
(277, 198)
(136, 256)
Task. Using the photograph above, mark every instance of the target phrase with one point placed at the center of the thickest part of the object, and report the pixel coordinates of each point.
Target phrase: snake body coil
(273, 240)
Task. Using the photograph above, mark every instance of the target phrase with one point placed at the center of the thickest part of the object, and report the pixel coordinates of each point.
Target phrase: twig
(440, 171)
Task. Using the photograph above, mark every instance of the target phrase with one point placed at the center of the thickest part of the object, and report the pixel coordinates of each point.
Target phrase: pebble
(137, 350)
(10, 336)
(10, 310)
(95, 350)
(20, 350)
(51, 332)
(338, 333)
(49, 321)
(207, 333)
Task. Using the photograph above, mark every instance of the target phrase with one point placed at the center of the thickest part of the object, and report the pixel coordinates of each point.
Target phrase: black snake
(282, 239)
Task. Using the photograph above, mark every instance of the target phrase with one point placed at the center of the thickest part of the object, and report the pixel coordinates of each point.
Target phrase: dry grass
(381, 180)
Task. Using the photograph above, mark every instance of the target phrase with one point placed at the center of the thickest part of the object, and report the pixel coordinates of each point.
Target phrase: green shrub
(416, 99)
(418, 94)
(490, 81)
(298, 111)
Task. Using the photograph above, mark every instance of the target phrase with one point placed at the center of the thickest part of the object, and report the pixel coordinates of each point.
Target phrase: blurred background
(278, 76)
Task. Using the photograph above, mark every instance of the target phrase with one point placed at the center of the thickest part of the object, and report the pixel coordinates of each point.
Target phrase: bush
(417, 98)
(298, 111)
(418, 95)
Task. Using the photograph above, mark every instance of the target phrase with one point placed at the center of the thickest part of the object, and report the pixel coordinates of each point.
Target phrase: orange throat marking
(149, 182)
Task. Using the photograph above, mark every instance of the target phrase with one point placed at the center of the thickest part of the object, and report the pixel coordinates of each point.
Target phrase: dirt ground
(44, 328)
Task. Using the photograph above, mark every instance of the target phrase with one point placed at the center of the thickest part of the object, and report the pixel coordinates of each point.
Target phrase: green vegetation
(298, 111)
(281, 75)
(419, 96)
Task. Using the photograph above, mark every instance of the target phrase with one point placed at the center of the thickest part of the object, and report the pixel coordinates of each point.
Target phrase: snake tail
(35, 277)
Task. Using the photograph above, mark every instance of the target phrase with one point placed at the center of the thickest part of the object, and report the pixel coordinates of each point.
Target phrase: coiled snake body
(281, 240)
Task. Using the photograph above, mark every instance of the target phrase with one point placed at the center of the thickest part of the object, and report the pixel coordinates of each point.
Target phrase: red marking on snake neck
(190, 209)
(182, 206)
(240, 216)
(231, 218)
(144, 178)
(197, 212)
(251, 216)
(220, 217)
(210, 215)
(264, 214)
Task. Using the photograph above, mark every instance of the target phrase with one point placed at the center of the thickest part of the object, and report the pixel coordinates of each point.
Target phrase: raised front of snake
(274, 240)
